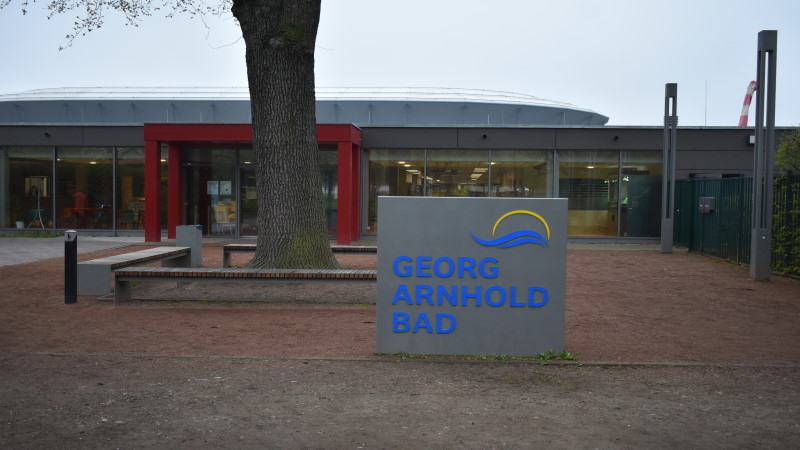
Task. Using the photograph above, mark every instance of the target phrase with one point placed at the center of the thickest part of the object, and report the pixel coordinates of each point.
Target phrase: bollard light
(70, 267)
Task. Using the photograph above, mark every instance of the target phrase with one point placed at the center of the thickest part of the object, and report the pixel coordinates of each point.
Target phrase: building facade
(126, 163)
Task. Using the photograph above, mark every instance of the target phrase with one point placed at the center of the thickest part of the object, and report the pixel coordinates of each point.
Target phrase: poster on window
(224, 188)
(212, 188)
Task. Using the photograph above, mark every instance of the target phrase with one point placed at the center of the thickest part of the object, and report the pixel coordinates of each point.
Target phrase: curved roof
(360, 106)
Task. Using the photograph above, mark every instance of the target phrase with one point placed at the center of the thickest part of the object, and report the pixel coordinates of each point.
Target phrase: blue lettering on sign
(400, 322)
(404, 270)
(466, 295)
(445, 267)
(423, 266)
(450, 267)
(488, 272)
(532, 297)
(445, 323)
(512, 297)
(455, 295)
(466, 265)
(424, 292)
(452, 295)
(500, 299)
(423, 322)
(402, 294)
(440, 323)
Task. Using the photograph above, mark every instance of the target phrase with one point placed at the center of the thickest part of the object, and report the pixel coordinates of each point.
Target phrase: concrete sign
(471, 276)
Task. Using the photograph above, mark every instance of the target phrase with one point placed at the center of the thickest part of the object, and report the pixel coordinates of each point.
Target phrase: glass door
(248, 211)
(211, 190)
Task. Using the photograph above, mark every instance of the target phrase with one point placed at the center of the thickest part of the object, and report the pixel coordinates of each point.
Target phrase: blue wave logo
(516, 238)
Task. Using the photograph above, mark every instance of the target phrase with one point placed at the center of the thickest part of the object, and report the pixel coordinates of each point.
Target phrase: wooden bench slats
(94, 275)
(179, 272)
(141, 256)
(227, 249)
(335, 248)
(123, 277)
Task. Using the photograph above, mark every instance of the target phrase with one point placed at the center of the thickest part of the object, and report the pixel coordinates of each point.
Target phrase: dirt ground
(294, 365)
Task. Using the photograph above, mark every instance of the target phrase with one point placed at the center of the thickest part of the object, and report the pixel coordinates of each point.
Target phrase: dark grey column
(668, 176)
(764, 157)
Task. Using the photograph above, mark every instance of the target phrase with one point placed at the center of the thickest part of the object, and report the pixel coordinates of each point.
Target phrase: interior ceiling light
(406, 165)
(92, 162)
(590, 167)
(401, 162)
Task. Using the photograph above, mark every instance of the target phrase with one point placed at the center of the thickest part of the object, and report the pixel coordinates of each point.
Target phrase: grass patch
(34, 234)
(540, 358)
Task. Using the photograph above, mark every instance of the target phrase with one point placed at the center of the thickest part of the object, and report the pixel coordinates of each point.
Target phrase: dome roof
(359, 106)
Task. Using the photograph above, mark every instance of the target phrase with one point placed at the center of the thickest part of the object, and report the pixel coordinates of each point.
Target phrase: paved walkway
(15, 250)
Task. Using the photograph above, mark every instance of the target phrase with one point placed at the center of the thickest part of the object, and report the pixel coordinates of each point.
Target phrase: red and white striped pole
(748, 97)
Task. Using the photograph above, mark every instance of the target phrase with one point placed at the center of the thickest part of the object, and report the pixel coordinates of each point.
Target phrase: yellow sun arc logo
(522, 211)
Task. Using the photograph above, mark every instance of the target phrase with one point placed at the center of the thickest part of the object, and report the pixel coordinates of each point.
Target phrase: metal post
(764, 157)
(71, 267)
(668, 177)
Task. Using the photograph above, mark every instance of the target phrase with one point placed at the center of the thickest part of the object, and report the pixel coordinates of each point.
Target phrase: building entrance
(211, 188)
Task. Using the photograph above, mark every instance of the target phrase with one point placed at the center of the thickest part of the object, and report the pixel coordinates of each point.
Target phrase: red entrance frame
(346, 137)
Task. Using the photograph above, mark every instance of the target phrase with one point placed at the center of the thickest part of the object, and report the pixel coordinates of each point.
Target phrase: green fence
(726, 232)
(786, 225)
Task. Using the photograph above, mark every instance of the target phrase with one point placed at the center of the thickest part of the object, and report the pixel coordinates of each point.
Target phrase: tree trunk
(280, 36)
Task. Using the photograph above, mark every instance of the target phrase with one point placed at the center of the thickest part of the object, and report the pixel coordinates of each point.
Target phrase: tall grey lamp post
(668, 177)
(764, 157)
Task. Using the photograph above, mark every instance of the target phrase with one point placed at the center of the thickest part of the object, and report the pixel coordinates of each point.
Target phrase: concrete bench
(94, 277)
(240, 248)
(124, 277)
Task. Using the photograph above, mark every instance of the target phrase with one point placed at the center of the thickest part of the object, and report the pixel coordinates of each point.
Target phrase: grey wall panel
(410, 137)
(507, 138)
(610, 139)
(114, 136)
(466, 138)
(715, 139)
(732, 162)
(40, 136)
(71, 136)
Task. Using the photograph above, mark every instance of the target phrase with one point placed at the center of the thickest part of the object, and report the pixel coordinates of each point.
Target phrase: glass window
(85, 187)
(457, 173)
(640, 191)
(210, 188)
(248, 197)
(130, 188)
(209, 156)
(588, 179)
(329, 171)
(26, 199)
(520, 173)
(247, 156)
(393, 172)
(211, 198)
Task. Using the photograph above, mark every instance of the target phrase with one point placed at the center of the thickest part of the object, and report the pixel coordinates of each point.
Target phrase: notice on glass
(212, 188)
(224, 188)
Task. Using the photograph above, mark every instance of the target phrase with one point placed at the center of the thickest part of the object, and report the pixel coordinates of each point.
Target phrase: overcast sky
(612, 56)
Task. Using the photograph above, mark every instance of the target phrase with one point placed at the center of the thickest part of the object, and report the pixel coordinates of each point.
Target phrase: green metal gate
(726, 232)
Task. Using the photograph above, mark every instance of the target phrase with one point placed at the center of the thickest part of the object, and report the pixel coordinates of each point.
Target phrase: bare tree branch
(90, 14)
